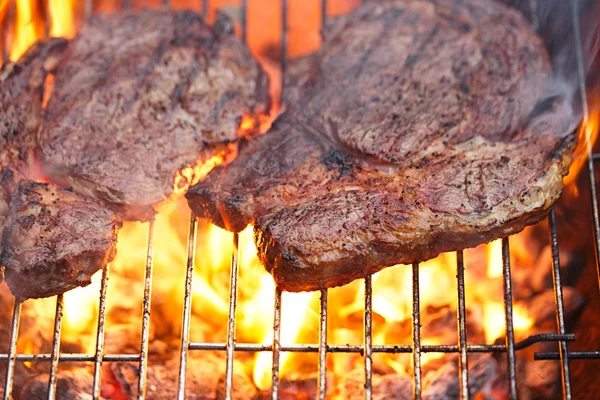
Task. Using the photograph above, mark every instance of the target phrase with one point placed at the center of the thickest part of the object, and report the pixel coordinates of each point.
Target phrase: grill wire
(322, 348)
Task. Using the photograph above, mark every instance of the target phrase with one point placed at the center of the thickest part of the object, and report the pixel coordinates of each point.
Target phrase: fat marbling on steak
(420, 127)
(141, 95)
(54, 240)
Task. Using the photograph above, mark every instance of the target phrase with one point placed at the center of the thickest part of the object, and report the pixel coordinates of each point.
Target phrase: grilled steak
(21, 88)
(421, 127)
(139, 96)
(54, 239)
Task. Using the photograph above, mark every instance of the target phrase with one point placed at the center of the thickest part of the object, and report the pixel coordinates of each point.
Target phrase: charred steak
(421, 127)
(54, 239)
(139, 96)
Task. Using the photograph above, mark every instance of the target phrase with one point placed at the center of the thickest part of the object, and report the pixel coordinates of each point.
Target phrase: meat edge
(295, 273)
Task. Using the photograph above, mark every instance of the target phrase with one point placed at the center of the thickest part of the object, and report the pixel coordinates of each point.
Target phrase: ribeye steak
(419, 127)
(139, 96)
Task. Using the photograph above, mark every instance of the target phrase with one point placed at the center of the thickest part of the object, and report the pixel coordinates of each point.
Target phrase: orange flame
(494, 256)
(191, 175)
(62, 19)
(28, 27)
(588, 133)
(495, 323)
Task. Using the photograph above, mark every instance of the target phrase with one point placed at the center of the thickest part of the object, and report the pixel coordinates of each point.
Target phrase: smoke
(571, 31)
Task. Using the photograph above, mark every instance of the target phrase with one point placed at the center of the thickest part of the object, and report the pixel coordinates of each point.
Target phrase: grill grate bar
(10, 16)
(463, 370)
(323, 346)
(560, 307)
(284, 38)
(244, 20)
(12, 352)
(307, 348)
(573, 355)
(146, 314)
(126, 4)
(72, 357)
(58, 316)
(276, 345)
(88, 8)
(416, 325)
(322, 389)
(510, 329)
(314, 348)
(233, 292)
(187, 305)
(368, 336)
(98, 357)
(205, 8)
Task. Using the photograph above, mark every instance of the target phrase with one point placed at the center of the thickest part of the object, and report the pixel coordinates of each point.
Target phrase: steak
(141, 95)
(21, 91)
(54, 240)
(419, 127)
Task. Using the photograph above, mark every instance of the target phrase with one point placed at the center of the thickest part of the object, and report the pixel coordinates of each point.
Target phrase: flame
(293, 308)
(495, 323)
(494, 255)
(192, 174)
(28, 27)
(62, 20)
(588, 133)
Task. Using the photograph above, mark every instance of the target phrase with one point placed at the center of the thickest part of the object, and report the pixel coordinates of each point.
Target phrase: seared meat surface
(421, 127)
(21, 90)
(51, 239)
(54, 240)
(139, 96)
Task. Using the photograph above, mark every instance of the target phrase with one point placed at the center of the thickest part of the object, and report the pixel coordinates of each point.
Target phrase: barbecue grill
(324, 347)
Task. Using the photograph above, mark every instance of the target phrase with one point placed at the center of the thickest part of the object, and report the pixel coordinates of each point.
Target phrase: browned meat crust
(139, 96)
(21, 89)
(421, 127)
(54, 239)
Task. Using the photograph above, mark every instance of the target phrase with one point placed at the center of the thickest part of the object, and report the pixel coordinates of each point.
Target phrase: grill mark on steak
(140, 96)
(447, 144)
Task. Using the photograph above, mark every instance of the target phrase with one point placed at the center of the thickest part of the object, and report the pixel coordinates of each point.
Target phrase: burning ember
(392, 299)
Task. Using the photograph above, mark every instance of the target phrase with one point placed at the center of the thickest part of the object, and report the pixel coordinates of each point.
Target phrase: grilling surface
(417, 128)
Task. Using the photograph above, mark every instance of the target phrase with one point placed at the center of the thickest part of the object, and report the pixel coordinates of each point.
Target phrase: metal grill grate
(323, 348)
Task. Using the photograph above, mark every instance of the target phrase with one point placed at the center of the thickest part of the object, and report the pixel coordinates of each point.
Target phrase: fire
(495, 323)
(588, 132)
(62, 20)
(192, 174)
(494, 251)
(28, 27)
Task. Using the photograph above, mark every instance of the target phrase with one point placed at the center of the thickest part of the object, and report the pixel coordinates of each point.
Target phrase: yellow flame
(62, 21)
(81, 311)
(28, 28)
(293, 310)
(494, 259)
(495, 324)
(191, 175)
